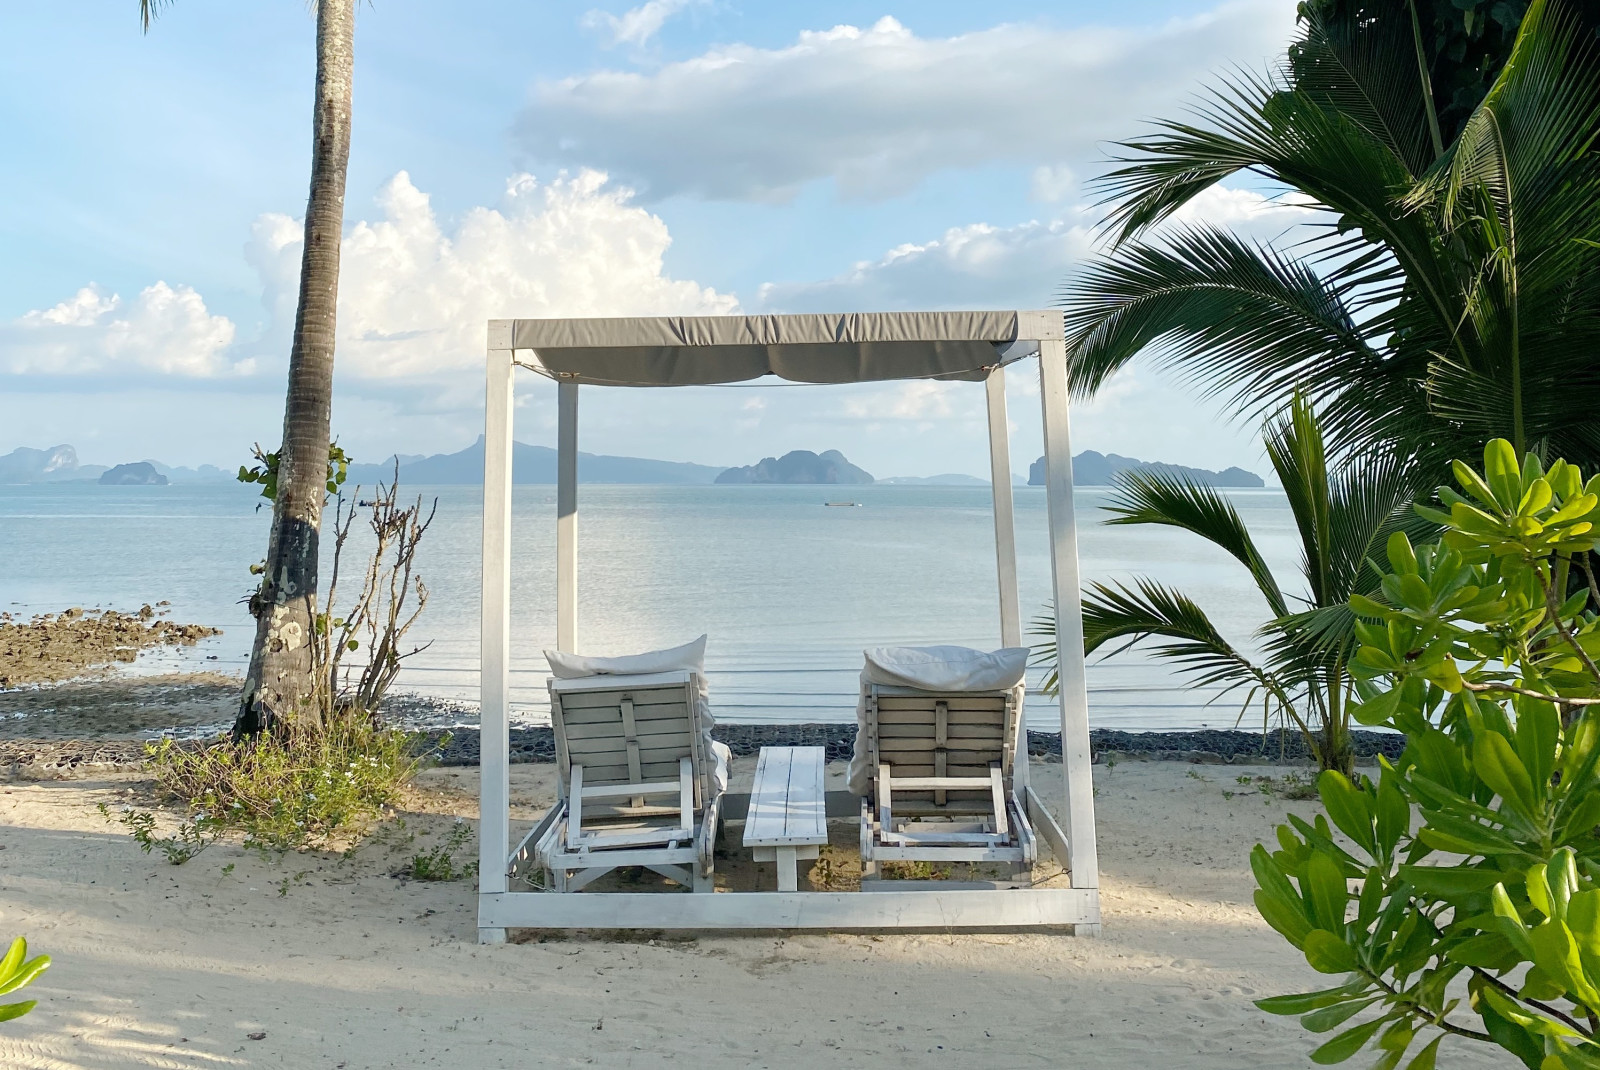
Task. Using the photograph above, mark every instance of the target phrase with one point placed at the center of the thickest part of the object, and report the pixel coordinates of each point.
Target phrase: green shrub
(17, 970)
(439, 862)
(1472, 862)
(289, 791)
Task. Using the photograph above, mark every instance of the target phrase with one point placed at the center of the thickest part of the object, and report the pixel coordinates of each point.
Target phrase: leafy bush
(17, 970)
(1474, 857)
(293, 790)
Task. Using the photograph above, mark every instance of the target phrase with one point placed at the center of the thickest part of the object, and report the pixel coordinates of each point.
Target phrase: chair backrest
(941, 733)
(629, 729)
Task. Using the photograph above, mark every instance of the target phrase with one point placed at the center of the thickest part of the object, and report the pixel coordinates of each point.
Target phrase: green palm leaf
(1156, 497)
(1148, 610)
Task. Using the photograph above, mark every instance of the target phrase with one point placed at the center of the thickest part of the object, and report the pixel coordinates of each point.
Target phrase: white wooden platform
(961, 909)
(787, 819)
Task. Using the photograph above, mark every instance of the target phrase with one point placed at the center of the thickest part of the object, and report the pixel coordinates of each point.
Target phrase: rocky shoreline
(459, 747)
(53, 647)
(1209, 746)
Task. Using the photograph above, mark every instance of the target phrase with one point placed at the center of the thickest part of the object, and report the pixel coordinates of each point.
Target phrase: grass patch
(298, 791)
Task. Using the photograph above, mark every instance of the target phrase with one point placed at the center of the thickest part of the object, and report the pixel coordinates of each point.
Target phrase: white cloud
(878, 109)
(1052, 183)
(1023, 266)
(636, 25)
(166, 330)
(415, 295)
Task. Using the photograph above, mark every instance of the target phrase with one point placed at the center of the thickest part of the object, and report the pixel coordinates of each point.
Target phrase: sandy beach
(336, 963)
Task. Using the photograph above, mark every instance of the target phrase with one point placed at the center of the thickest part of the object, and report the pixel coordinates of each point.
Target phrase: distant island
(1091, 469)
(948, 479)
(137, 474)
(798, 466)
(529, 464)
(60, 464)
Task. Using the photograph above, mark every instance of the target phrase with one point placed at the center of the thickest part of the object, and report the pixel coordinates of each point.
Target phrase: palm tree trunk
(280, 684)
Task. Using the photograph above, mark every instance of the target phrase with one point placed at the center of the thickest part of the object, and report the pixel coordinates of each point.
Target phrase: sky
(512, 158)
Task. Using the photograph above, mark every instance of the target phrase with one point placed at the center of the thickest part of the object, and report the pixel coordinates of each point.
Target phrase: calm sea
(790, 591)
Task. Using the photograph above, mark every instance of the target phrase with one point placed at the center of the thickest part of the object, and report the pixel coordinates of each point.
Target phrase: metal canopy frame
(1072, 841)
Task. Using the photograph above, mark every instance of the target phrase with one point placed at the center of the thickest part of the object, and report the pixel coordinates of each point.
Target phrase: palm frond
(148, 10)
(1295, 448)
(1239, 316)
(1148, 610)
(1366, 69)
(1176, 501)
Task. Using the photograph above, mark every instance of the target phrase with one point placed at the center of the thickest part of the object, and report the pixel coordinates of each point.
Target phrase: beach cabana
(668, 351)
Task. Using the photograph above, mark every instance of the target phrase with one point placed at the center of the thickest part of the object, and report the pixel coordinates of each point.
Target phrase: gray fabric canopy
(851, 348)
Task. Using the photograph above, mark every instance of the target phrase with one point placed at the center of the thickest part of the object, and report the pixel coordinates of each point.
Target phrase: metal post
(494, 744)
(567, 517)
(1084, 860)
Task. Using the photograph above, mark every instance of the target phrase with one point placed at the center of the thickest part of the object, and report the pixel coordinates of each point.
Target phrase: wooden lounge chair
(935, 768)
(639, 776)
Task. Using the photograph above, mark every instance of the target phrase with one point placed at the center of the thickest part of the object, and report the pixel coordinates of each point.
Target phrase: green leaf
(1326, 890)
(1345, 1044)
(1503, 771)
(1348, 807)
(1326, 1018)
(1327, 953)
(1502, 472)
(1450, 882)
(1378, 710)
(1305, 1002)
(1428, 1056)
(9, 1011)
(1280, 905)
(1488, 951)
(1538, 732)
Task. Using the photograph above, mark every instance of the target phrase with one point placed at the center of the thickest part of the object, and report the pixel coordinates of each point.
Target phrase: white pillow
(947, 668)
(690, 656)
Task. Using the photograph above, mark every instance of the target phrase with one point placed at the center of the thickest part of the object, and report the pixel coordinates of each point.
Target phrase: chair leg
(869, 864)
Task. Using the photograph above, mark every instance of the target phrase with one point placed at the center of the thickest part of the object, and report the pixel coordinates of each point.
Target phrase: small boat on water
(842, 505)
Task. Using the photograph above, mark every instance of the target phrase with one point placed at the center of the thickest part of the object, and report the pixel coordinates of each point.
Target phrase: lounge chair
(641, 779)
(936, 747)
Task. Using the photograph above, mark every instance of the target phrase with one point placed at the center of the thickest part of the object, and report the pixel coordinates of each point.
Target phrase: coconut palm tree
(279, 684)
(1454, 297)
(1343, 520)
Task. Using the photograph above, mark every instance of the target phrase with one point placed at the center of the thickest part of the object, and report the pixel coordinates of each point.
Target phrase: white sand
(165, 966)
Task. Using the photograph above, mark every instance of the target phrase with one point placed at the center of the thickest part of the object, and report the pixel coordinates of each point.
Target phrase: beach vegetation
(291, 790)
(1448, 293)
(193, 834)
(439, 862)
(18, 971)
(282, 678)
(1458, 891)
(1300, 677)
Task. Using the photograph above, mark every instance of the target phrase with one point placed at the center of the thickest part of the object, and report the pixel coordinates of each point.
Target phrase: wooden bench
(788, 818)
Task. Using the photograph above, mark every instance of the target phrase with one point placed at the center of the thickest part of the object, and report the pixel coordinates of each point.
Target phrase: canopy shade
(812, 348)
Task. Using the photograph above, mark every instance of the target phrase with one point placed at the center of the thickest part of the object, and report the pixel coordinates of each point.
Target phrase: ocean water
(789, 591)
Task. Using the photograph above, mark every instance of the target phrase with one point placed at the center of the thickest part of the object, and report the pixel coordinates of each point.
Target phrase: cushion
(947, 668)
(689, 656)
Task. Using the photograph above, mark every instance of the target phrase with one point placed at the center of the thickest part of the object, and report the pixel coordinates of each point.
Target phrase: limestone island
(799, 466)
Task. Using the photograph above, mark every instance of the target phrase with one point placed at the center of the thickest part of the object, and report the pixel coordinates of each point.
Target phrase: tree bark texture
(279, 686)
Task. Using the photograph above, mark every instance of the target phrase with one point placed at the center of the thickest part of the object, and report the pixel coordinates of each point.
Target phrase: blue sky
(581, 158)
